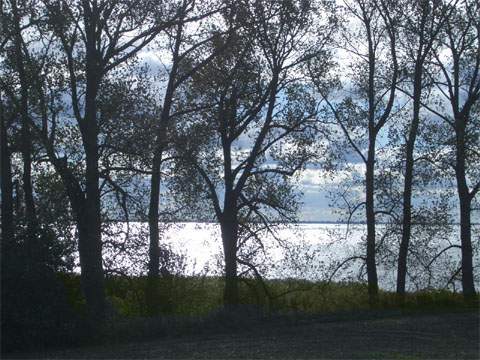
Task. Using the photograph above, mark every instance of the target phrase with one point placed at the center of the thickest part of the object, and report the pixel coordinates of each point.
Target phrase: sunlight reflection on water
(314, 250)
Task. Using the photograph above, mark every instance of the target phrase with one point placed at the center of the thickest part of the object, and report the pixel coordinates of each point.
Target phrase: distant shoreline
(282, 223)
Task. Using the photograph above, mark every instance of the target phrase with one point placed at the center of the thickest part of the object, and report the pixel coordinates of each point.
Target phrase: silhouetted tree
(420, 31)
(26, 142)
(370, 36)
(253, 142)
(457, 59)
(189, 53)
(94, 38)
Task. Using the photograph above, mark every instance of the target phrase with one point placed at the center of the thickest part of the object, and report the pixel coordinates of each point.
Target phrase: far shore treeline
(235, 112)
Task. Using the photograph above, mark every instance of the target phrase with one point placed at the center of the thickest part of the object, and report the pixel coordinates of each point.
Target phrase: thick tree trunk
(90, 241)
(468, 283)
(370, 213)
(229, 229)
(92, 277)
(408, 183)
(87, 217)
(6, 183)
(89, 222)
(465, 200)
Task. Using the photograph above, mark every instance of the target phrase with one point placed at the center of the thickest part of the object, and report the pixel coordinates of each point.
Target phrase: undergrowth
(199, 296)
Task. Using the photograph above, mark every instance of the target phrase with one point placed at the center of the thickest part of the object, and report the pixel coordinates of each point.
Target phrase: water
(311, 251)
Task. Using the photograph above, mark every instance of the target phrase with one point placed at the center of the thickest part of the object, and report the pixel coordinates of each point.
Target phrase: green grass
(199, 296)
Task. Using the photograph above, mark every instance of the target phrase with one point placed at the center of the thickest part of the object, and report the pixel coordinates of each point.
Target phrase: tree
(457, 59)
(94, 38)
(420, 31)
(17, 20)
(189, 53)
(248, 142)
(371, 37)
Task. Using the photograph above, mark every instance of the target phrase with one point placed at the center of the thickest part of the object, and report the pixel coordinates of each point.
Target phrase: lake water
(308, 250)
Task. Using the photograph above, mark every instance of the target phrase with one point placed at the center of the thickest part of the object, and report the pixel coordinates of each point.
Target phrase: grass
(197, 297)
(192, 305)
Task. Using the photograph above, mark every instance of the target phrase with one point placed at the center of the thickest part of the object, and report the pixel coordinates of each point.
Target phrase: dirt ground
(446, 336)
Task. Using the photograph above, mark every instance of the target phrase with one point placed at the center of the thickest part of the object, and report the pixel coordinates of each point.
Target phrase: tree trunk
(90, 223)
(407, 215)
(90, 241)
(153, 217)
(464, 196)
(26, 141)
(229, 229)
(370, 177)
(370, 213)
(92, 277)
(407, 190)
(151, 292)
(6, 184)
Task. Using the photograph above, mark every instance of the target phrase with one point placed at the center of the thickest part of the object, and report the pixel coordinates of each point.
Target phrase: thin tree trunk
(370, 179)
(153, 217)
(152, 295)
(370, 213)
(151, 292)
(408, 183)
(6, 185)
(407, 209)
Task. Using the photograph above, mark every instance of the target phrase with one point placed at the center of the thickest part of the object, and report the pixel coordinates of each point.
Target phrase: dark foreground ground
(441, 336)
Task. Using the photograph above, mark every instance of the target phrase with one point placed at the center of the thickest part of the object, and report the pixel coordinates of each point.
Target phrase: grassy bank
(193, 305)
(199, 296)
